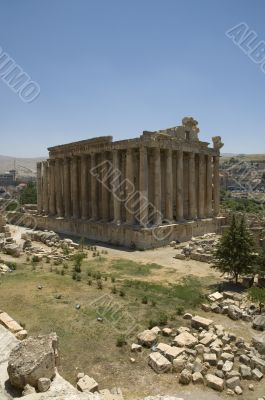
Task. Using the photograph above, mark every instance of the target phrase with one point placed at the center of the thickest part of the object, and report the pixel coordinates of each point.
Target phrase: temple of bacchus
(139, 193)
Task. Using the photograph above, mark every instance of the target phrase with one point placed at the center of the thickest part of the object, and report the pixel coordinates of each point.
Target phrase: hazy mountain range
(24, 166)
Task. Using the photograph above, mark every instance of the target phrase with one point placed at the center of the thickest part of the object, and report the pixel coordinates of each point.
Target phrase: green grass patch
(133, 268)
(188, 293)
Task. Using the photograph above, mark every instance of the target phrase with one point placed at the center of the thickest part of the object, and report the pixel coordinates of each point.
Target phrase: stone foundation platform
(129, 236)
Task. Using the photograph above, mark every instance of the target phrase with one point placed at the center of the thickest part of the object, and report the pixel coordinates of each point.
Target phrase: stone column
(58, 188)
(75, 188)
(209, 187)
(201, 194)
(39, 188)
(216, 186)
(169, 186)
(192, 187)
(104, 177)
(143, 187)
(66, 188)
(115, 183)
(45, 188)
(93, 197)
(52, 207)
(129, 190)
(180, 197)
(84, 187)
(157, 187)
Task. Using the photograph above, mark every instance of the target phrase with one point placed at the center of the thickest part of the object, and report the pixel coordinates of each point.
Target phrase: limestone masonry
(140, 193)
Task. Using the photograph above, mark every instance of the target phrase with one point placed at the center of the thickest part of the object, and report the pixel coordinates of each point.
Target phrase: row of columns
(67, 189)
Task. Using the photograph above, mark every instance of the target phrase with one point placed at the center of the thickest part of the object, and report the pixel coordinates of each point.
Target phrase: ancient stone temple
(140, 193)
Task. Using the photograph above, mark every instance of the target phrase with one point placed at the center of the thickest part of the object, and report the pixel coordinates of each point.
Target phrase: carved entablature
(188, 131)
(183, 137)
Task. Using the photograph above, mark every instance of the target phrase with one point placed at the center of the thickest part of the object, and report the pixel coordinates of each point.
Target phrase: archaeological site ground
(132, 200)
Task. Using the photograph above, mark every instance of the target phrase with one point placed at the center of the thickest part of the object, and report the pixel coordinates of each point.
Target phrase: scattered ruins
(139, 193)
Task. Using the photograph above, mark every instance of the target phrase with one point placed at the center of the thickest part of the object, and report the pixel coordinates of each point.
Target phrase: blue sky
(118, 67)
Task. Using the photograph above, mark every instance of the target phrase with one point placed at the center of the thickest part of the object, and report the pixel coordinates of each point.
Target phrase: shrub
(74, 275)
(99, 284)
(114, 290)
(121, 341)
(122, 293)
(161, 319)
(62, 272)
(145, 300)
(89, 282)
(180, 310)
(113, 279)
(78, 259)
(78, 277)
(12, 265)
(257, 295)
(35, 259)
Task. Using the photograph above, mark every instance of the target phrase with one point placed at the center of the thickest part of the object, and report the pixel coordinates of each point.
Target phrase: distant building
(8, 178)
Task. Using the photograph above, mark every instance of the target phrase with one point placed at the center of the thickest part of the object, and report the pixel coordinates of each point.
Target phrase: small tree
(78, 258)
(234, 252)
(257, 295)
(28, 195)
(82, 243)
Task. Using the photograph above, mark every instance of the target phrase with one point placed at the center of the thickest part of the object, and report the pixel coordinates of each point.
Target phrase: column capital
(143, 149)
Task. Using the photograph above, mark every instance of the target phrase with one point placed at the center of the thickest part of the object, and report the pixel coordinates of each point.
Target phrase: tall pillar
(39, 188)
(52, 207)
(192, 187)
(180, 196)
(66, 187)
(143, 186)
(115, 183)
(58, 188)
(104, 177)
(216, 186)
(75, 188)
(157, 187)
(84, 187)
(201, 194)
(209, 186)
(45, 187)
(129, 190)
(169, 186)
(93, 192)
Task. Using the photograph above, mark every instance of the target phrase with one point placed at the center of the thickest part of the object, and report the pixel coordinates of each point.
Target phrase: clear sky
(118, 67)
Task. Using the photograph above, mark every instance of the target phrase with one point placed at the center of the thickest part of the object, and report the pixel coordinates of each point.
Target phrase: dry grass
(86, 344)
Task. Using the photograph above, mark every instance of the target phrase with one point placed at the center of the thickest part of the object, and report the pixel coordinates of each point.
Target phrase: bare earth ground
(90, 346)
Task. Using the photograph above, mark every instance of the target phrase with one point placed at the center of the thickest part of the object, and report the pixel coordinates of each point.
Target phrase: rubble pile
(60, 250)
(205, 354)
(7, 244)
(198, 248)
(235, 306)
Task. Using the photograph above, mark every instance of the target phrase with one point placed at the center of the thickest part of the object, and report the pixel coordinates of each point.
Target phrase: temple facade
(140, 193)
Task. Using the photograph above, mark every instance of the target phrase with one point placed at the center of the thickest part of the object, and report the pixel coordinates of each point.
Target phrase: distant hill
(24, 166)
(243, 157)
